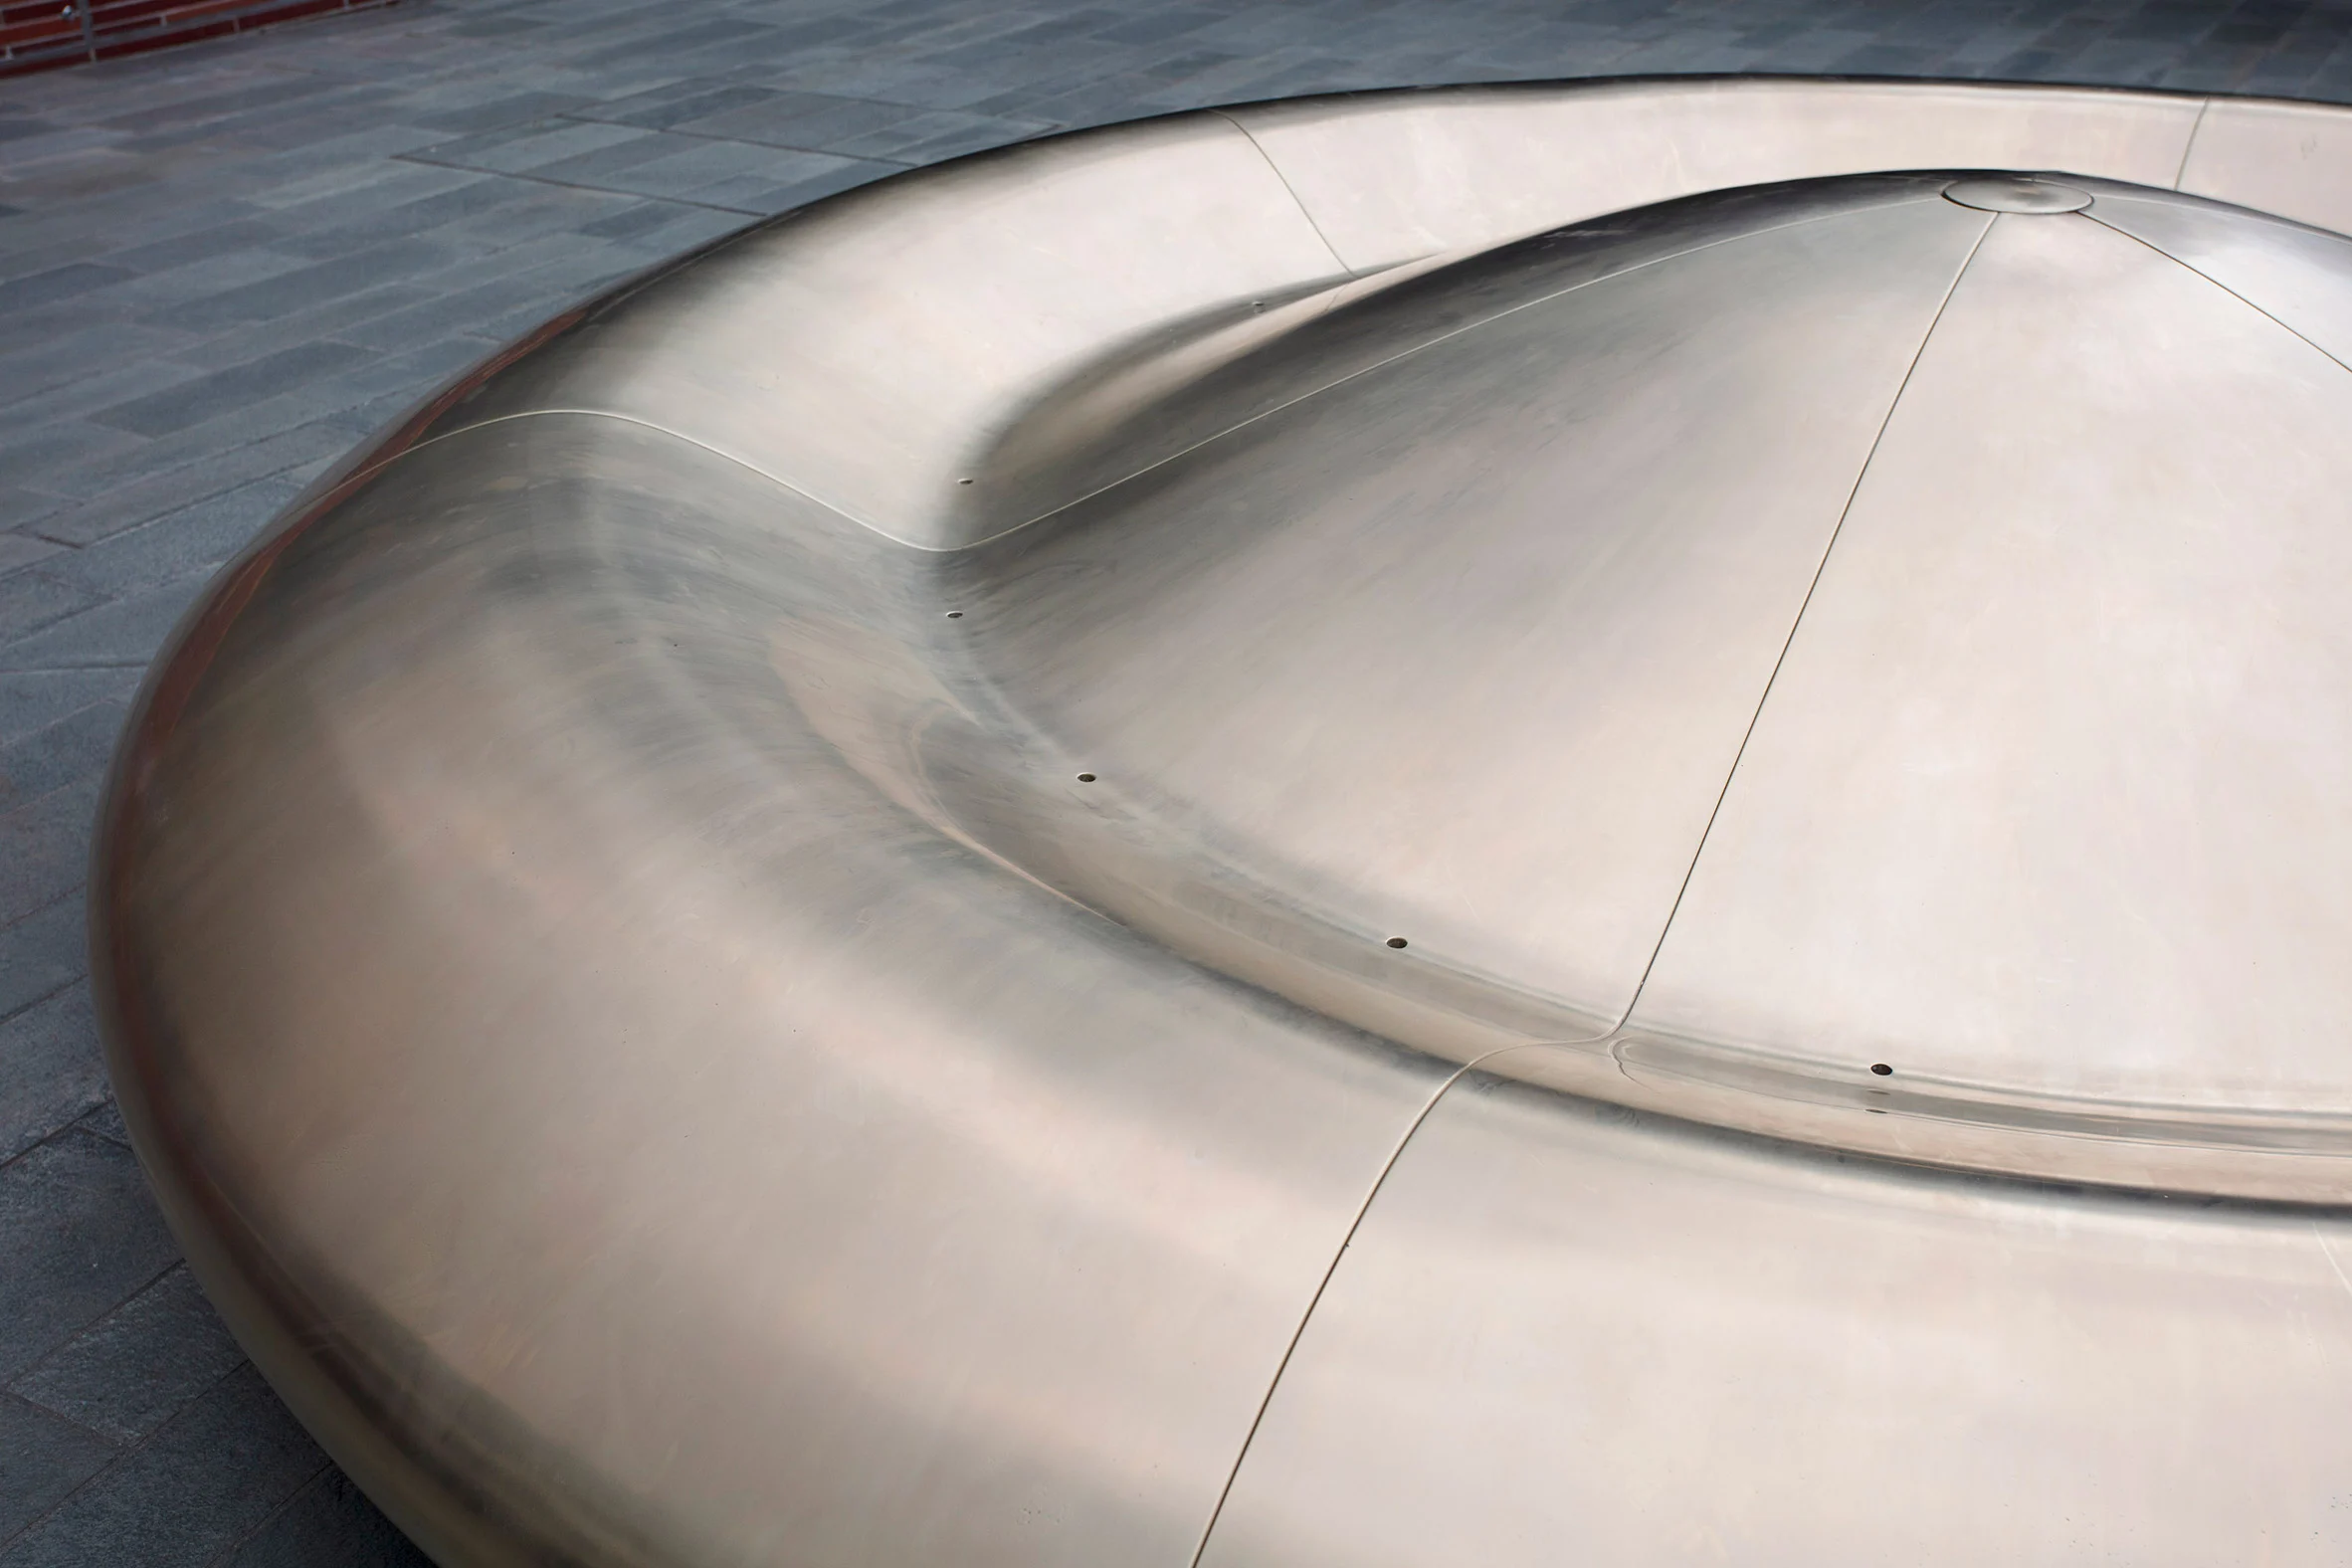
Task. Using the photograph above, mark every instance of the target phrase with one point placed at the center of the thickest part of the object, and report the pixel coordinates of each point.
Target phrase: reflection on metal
(1494, 826)
(2013, 193)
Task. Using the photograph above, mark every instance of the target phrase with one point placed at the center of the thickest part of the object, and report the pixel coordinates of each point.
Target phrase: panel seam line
(1323, 1284)
(2198, 272)
(1289, 189)
(1797, 623)
(2190, 146)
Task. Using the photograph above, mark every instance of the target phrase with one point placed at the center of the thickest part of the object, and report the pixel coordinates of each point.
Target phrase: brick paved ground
(221, 268)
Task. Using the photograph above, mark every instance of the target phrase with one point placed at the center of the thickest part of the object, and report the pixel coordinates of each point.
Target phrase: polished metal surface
(2015, 193)
(1567, 1333)
(1495, 825)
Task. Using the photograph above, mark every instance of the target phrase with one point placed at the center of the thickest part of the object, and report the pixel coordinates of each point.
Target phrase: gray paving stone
(192, 540)
(525, 148)
(57, 282)
(79, 1234)
(204, 397)
(551, 281)
(18, 550)
(73, 358)
(56, 756)
(33, 699)
(119, 500)
(491, 113)
(37, 447)
(186, 113)
(546, 210)
(303, 286)
(121, 632)
(245, 441)
(136, 1367)
(43, 1457)
(50, 1070)
(639, 221)
(43, 953)
(329, 1520)
(106, 1122)
(136, 376)
(31, 600)
(746, 194)
(214, 1474)
(309, 203)
(686, 168)
(45, 849)
(664, 108)
(237, 233)
(244, 344)
(164, 294)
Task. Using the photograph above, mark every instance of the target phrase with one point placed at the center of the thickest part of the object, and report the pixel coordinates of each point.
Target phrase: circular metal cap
(2015, 193)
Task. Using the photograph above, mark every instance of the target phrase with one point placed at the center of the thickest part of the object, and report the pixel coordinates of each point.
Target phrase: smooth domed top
(1823, 628)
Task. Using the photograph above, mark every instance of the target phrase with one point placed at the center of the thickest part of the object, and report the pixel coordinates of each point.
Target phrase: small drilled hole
(963, 482)
(955, 615)
(1086, 778)
(1396, 941)
(1882, 1070)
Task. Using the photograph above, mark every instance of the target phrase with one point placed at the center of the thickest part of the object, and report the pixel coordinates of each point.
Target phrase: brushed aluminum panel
(2290, 159)
(1391, 177)
(1570, 539)
(2048, 793)
(685, 1153)
(1570, 1333)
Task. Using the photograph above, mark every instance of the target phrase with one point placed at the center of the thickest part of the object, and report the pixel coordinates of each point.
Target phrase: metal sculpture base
(1498, 826)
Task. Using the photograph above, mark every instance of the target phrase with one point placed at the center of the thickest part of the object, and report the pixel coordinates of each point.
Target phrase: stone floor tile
(132, 376)
(214, 1473)
(693, 169)
(524, 148)
(329, 1520)
(303, 286)
(31, 600)
(493, 110)
(136, 1368)
(50, 1072)
(179, 250)
(33, 699)
(43, 446)
(79, 354)
(19, 551)
(45, 849)
(233, 445)
(43, 953)
(641, 219)
(687, 104)
(203, 397)
(43, 1457)
(79, 1234)
(115, 497)
(193, 539)
(56, 756)
(248, 342)
(124, 630)
(106, 1122)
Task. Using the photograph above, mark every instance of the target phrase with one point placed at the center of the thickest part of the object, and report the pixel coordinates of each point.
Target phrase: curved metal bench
(1307, 834)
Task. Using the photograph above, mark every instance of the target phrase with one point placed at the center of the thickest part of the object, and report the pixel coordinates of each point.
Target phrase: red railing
(38, 34)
